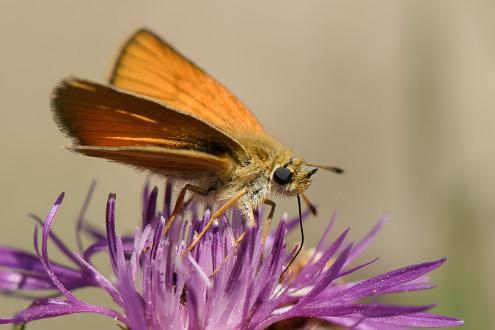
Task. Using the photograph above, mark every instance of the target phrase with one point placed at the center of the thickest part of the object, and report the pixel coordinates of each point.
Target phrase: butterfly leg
(179, 204)
(232, 201)
(238, 241)
(310, 205)
(268, 222)
(231, 252)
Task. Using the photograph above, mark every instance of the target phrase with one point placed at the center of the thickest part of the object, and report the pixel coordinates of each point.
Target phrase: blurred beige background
(399, 93)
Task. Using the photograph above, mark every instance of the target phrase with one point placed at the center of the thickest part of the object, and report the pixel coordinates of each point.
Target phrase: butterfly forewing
(148, 65)
(117, 125)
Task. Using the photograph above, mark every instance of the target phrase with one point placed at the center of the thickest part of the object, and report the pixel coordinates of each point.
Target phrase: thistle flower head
(230, 280)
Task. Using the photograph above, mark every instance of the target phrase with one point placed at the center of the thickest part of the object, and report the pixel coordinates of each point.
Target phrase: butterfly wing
(118, 125)
(148, 65)
(185, 164)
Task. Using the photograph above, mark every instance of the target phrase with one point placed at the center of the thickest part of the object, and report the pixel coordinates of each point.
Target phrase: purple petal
(44, 251)
(355, 269)
(167, 198)
(82, 216)
(359, 323)
(294, 223)
(419, 284)
(311, 270)
(385, 281)
(47, 308)
(58, 243)
(359, 310)
(157, 237)
(277, 255)
(423, 320)
(20, 261)
(330, 275)
(326, 233)
(10, 281)
(95, 248)
(133, 303)
(111, 233)
(149, 207)
(366, 241)
(102, 281)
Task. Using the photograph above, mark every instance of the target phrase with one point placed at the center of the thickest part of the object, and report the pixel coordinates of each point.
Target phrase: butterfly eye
(282, 175)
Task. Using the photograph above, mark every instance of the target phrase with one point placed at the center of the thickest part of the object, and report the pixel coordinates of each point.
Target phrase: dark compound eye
(282, 175)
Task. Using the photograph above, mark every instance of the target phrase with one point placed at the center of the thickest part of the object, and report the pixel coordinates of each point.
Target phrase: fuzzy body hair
(255, 174)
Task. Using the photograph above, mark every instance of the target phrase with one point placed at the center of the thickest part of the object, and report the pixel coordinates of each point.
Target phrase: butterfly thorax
(256, 174)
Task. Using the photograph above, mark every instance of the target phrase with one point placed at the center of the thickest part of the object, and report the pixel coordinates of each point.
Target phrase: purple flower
(225, 282)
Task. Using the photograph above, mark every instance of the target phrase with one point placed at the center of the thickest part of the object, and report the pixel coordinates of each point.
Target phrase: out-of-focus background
(399, 93)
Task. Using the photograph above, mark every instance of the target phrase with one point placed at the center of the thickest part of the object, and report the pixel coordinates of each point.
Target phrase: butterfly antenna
(333, 169)
(302, 236)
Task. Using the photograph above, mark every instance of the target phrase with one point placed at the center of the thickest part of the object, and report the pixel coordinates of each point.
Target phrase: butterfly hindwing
(185, 164)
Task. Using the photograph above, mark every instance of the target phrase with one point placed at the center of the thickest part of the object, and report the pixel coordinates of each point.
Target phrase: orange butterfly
(164, 114)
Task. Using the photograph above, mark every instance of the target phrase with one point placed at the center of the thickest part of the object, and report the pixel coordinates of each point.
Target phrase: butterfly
(162, 113)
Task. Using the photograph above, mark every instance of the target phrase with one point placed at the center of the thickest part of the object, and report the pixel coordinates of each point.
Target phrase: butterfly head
(294, 177)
